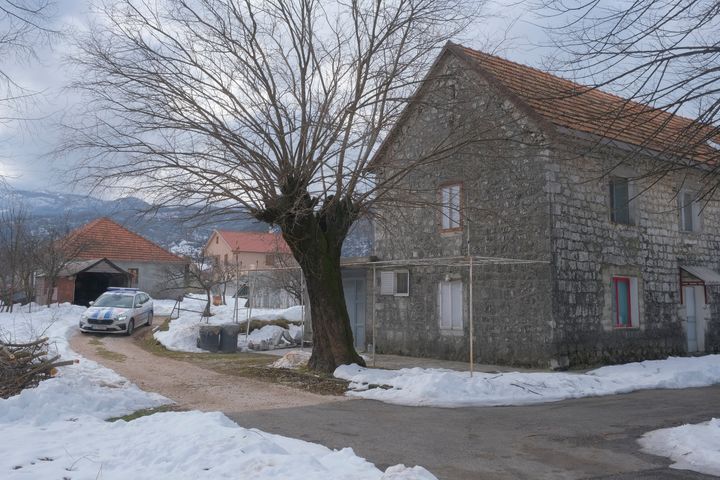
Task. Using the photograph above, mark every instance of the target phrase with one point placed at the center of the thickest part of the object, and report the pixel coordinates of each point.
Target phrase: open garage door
(93, 277)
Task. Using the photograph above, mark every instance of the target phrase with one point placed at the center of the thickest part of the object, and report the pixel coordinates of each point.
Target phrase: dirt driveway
(189, 385)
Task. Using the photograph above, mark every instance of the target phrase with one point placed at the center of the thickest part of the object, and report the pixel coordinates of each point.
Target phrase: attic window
(451, 205)
(217, 240)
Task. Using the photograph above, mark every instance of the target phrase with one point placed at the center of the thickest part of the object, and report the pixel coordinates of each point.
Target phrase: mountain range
(168, 227)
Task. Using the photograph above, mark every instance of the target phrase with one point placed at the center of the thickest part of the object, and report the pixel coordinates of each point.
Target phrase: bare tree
(203, 273)
(54, 250)
(660, 53)
(16, 255)
(23, 25)
(274, 107)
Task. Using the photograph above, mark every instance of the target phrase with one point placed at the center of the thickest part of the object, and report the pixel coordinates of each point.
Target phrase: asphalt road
(575, 439)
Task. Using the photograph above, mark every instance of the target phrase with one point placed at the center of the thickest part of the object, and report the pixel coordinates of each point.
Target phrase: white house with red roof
(248, 250)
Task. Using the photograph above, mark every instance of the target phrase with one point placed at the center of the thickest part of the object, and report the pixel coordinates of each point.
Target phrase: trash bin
(209, 337)
(229, 337)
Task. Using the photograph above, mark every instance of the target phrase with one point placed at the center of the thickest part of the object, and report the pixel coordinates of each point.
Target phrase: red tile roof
(104, 238)
(254, 242)
(567, 104)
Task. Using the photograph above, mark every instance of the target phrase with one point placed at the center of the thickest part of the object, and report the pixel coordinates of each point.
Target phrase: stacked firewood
(24, 365)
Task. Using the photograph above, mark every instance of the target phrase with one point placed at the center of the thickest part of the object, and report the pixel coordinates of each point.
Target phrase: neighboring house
(111, 255)
(263, 257)
(625, 263)
(248, 250)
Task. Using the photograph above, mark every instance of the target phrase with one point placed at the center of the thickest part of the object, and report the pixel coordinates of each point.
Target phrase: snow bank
(449, 388)
(187, 445)
(691, 447)
(183, 331)
(86, 387)
(57, 430)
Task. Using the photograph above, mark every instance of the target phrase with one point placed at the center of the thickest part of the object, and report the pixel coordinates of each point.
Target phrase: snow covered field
(448, 388)
(691, 447)
(183, 332)
(58, 430)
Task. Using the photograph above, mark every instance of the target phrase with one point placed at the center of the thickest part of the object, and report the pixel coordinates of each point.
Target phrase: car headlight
(83, 317)
(122, 318)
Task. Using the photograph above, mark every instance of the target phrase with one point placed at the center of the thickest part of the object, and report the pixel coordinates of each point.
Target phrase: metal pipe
(373, 315)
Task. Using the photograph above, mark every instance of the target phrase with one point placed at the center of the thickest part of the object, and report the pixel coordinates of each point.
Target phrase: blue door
(355, 300)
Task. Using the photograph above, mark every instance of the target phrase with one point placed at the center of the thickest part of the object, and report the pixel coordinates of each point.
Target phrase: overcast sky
(25, 148)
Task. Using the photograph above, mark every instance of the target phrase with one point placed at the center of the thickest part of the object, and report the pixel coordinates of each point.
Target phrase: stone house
(111, 255)
(619, 252)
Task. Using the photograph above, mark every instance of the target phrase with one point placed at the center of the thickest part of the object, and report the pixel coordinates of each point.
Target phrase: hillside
(167, 227)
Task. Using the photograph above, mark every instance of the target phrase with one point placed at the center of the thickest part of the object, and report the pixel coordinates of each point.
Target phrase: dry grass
(249, 365)
(145, 412)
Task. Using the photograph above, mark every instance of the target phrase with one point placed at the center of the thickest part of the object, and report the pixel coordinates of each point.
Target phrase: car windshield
(114, 300)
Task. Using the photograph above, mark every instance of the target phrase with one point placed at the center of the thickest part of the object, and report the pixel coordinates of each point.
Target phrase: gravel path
(190, 386)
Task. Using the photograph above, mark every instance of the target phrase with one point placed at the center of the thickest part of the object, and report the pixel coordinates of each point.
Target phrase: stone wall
(589, 248)
(153, 277)
(500, 167)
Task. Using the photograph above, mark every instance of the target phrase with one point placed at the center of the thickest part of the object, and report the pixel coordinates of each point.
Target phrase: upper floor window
(689, 212)
(621, 206)
(451, 204)
(270, 260)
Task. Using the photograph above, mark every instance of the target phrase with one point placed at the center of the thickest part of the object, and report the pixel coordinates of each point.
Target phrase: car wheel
(130, 327)
(150, 319)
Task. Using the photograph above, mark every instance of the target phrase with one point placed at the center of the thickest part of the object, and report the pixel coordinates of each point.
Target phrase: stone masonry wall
(589, 248)
(506, 215)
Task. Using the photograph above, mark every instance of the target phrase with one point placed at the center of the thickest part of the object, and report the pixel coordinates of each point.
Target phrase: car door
(147, 306)
(137, 309)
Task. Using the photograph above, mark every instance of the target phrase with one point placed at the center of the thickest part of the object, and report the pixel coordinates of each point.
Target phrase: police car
(119, 310)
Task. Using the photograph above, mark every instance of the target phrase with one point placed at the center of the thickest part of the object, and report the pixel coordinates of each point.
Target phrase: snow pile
(449, 388)
(58, 429)
(292, 360)
(188, 445)
(85, 387)
(263, 338)
(691, 447)
(183, 331)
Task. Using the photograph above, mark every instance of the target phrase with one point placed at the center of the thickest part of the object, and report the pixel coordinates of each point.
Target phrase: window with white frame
(689, 211)
(450, 198)
(450, 305)
(625, 310)
(395, 282)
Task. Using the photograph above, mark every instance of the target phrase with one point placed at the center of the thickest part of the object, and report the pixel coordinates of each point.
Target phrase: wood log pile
(25, 365)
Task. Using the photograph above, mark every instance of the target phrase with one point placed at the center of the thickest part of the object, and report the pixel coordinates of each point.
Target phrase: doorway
(355, 300)
(694, 300)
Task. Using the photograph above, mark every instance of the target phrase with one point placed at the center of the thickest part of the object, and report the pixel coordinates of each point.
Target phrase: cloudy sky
(26, 147)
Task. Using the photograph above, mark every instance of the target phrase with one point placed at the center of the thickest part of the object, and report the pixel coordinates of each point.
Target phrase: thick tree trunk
(316, 241)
